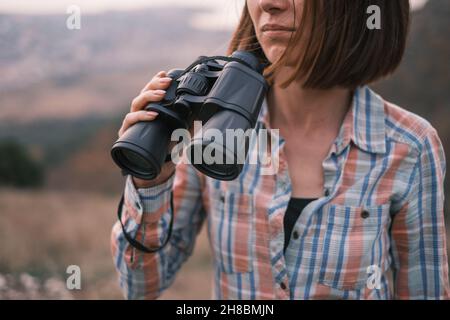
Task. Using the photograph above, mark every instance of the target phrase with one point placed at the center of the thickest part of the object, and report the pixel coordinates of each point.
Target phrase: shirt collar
(364, 123)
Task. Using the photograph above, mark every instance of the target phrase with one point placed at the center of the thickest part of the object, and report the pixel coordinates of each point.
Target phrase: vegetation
(18, 168)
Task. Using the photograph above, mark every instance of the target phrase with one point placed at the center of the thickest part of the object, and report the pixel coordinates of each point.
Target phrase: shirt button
(138, 206)
(283, 286)
(222, 198)
(295, 235)
(327, 192)
(365, 214)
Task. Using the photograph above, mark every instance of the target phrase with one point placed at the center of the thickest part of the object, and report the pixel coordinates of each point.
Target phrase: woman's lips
(276, 33)
(273, 30)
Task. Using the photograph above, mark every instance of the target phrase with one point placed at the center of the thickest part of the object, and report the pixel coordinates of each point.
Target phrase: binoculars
(223, 96)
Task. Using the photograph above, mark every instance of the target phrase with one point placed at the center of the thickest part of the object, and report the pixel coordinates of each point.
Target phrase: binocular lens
(133, 160)
(134, 163)
(142, 149)
(227, 168)
(217, 153)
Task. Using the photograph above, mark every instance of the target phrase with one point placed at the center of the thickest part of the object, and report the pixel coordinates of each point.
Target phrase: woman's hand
(154, 91)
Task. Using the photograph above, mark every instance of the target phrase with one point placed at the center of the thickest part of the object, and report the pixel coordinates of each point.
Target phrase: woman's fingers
(152, 92)
(159, 81)
(145, 98)
(151, 83)
(134, 117)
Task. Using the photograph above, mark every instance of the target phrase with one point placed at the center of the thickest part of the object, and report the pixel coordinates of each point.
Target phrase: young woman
(355, 209)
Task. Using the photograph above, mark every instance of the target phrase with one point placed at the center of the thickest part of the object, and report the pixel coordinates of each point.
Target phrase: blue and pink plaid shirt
(376, 233)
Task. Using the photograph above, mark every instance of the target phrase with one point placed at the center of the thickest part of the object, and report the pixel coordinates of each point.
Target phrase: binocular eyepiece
(223, 96)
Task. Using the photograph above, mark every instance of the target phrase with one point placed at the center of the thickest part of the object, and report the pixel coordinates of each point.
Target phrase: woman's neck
(307, 111)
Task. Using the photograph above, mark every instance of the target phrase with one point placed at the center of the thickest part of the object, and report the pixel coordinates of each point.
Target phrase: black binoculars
(223, 96)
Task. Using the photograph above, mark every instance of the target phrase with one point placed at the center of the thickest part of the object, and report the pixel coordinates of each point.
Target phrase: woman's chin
(273, 53)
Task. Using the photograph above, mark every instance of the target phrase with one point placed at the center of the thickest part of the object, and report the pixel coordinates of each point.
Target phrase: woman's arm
(146, 216)
(418, 234)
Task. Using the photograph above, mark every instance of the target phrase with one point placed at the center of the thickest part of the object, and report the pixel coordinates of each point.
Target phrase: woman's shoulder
(407, 127)
(422, 139)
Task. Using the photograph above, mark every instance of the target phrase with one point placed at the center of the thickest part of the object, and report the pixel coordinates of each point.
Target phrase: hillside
(53, 72)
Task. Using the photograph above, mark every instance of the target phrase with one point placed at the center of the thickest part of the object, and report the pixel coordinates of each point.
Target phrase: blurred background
(63, 94)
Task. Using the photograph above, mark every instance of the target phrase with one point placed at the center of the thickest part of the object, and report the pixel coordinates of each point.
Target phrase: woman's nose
(274, 6)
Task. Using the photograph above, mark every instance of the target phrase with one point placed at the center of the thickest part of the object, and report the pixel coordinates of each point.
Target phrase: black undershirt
(295, 207)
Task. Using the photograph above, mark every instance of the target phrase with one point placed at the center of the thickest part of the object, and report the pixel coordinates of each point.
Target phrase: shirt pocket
(231, 226)
(354, 245)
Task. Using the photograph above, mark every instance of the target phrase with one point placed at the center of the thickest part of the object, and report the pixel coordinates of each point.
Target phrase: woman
(366, 175)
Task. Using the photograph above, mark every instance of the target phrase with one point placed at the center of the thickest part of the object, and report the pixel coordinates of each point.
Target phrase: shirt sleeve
(146, 216)
(418, 233)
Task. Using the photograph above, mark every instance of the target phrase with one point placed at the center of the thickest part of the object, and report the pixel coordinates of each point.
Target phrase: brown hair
(339, 49)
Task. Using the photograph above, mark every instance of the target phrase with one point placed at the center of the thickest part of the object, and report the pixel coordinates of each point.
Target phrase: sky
(224, 14)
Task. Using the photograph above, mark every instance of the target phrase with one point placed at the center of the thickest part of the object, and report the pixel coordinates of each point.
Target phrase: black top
(295, 207)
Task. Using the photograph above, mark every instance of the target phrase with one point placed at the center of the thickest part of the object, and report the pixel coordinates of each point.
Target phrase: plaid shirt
(377, 232)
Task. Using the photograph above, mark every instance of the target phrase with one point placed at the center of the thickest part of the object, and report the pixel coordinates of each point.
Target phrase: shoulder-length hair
(339, 48)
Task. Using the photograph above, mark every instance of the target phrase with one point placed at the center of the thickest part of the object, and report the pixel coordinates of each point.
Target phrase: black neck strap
(206, 59)
(133, 242)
